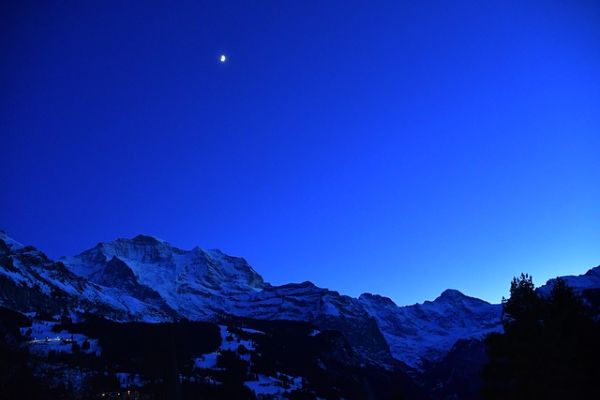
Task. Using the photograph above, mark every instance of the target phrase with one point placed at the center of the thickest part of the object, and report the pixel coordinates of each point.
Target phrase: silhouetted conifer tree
(549, 348)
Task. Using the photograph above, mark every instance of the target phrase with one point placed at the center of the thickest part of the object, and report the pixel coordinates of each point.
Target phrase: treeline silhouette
(550, 347)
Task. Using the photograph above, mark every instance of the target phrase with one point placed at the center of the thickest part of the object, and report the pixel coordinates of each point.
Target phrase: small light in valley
(223, 58)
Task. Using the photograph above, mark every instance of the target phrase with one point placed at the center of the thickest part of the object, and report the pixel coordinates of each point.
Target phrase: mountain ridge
(148, 279)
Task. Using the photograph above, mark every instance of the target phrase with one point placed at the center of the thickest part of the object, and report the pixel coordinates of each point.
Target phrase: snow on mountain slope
(589, 280)
(196, 283)
(425, 332)
(325, 308)
(297, 301)
(205, 284)
(147, 279)
(30, 281)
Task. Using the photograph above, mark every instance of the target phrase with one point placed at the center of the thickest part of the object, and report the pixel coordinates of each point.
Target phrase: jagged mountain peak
(424, 332)
(193, 282)
(456, 297)
(451, 295)
(32, 281)
(377, 299)
(147, 248)
(146, 239)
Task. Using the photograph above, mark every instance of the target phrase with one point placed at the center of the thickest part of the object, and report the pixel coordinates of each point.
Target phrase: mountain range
(145, 279)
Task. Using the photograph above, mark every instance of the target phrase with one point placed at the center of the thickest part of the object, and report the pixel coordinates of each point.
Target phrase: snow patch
(274, 386)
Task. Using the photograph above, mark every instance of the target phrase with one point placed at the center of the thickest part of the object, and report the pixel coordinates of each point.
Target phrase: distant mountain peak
(146, 239)
(193, 282)
(451, 294)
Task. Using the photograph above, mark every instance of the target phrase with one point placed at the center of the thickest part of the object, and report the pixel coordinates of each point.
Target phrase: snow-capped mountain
(30, 281)
(195, 283)
(425, 332)
(147, 279)
(207, 284)
(579, 283)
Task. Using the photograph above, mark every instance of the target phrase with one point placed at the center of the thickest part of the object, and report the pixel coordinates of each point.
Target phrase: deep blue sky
(393, 147)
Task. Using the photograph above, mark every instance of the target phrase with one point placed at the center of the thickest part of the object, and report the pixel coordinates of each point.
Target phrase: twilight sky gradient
(398, 147)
